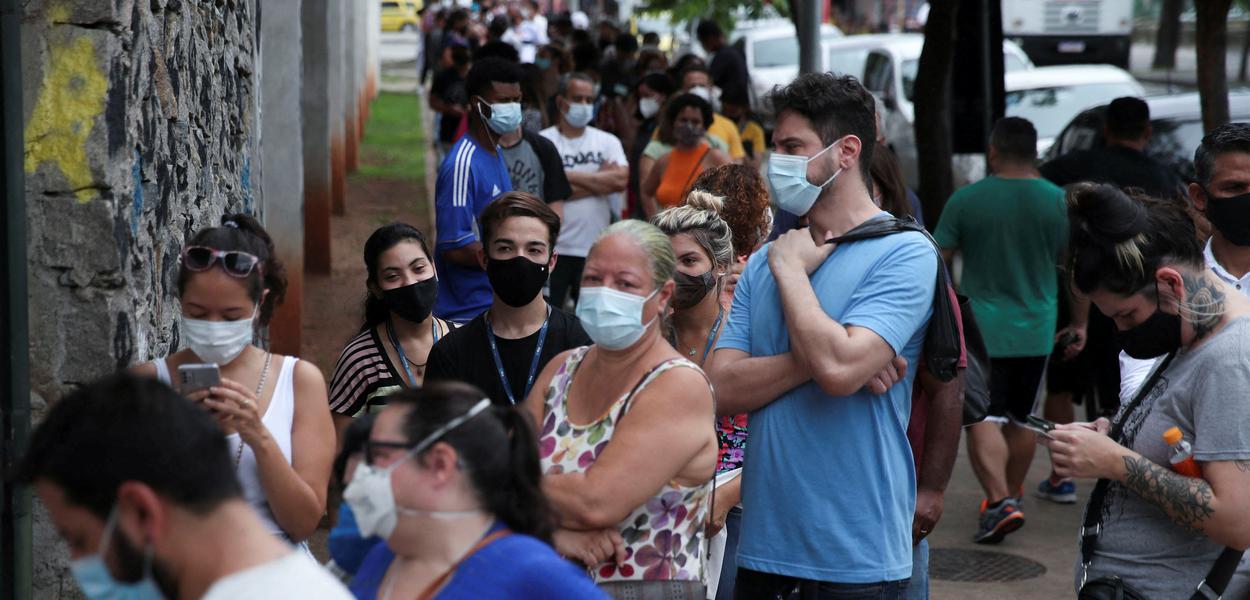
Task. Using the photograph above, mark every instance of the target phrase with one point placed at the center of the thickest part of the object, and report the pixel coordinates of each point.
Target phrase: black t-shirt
(1118, 165)
(448, 86)
(464, 355)
(729, 70)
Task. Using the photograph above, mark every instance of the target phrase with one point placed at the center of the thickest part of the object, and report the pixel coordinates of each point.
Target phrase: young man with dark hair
(472, 174)
(728, 67)
(1011, 228)
(736, 106)
(799, 351)
(140, 483)
(520, 332)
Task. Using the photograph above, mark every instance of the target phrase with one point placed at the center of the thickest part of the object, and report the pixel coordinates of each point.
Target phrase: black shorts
(1014, 383)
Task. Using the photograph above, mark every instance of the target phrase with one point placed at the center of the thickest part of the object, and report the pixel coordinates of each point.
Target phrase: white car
(886, 64)
(1051, 96)
(771, 48)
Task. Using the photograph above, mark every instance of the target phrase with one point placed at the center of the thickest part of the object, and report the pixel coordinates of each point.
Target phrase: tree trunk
(933, 115)
(1168, 37)
(1212, 47)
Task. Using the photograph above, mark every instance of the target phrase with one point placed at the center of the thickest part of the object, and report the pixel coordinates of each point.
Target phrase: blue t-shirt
(829, 487)
(515, 566)
(345, 543)
(469, 179)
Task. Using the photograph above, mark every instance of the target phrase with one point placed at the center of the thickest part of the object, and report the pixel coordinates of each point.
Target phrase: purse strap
(1216, 580)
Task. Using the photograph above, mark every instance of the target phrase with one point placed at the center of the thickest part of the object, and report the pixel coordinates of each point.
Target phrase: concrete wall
(146, 120)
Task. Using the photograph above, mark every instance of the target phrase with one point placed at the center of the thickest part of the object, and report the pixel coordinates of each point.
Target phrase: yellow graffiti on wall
(71, 97)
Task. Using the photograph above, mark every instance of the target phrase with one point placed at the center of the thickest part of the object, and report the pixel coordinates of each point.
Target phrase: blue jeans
(729, 565)
(756, 585)
(918, 589)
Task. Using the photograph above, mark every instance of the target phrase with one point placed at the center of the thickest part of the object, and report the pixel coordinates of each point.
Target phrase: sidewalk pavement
(1185, 76)
(1049, 537)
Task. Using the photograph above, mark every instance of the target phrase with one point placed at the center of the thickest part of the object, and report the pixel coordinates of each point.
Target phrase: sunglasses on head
(235, 263)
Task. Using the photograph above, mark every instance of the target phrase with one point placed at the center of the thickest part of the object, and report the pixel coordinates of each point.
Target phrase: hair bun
(702, 200)
(1106, 214)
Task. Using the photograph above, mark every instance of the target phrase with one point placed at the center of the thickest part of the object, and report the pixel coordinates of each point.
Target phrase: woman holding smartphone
(272, 408)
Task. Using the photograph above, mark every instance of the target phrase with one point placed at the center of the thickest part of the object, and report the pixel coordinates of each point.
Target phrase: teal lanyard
(711, 336)
(538, 352)
(399, 349)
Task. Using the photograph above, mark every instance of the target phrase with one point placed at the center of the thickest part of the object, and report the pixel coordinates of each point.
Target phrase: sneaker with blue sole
(1063, 493)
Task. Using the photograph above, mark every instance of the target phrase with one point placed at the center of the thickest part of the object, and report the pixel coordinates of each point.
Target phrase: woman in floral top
(627, 443)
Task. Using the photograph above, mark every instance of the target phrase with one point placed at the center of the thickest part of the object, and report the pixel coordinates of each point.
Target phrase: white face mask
(372, 499)
(612, 319)
(648, 107)
(218, 341)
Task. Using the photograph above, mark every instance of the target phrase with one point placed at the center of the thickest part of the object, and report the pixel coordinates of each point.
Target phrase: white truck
(1064, 32)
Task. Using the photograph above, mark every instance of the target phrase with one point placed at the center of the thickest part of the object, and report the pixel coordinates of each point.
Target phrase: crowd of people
(647, 357)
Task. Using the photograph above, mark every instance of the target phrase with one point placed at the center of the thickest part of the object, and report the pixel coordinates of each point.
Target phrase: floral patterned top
(732, 434)
(663, 537)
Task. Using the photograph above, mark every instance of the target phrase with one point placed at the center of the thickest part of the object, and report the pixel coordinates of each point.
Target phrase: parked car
(401, 15)
(1050, 96)
(1176, 122)
(887, 64)
(771, 48)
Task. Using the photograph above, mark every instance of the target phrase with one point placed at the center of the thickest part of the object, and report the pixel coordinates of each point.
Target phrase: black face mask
(1159, 334)
(1231, 217)
(517, 281)
(691, 289)
(412, 302)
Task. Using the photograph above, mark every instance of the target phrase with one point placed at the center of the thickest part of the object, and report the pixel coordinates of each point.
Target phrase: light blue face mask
(612, 319)
(787, 175)
(504, 118)
(580, 115)
(97, 583)
(542, 63)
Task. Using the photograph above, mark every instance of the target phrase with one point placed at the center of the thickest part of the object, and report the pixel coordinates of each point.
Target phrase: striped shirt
(363, 376)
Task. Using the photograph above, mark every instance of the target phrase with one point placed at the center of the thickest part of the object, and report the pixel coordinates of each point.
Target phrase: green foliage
(724, 12)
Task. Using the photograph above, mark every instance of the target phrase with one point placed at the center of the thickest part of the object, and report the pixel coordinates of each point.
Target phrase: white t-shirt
(585, 218)
(293, 576)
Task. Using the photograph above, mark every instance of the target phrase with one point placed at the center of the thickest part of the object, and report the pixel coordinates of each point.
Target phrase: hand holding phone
(1040, 426)
(195, 377)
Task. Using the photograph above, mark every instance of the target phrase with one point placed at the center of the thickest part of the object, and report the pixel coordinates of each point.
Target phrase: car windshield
(1051, 108)
(1011, 62)
(777, 52)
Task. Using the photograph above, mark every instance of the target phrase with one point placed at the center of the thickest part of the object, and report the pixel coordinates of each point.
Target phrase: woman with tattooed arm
(1139, 261)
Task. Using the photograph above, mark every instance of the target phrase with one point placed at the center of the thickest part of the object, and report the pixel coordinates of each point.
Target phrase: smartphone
(1039, 425)
(195, 377)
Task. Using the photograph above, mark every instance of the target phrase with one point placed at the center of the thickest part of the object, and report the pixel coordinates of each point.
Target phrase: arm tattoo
(1204, 303)
(1187, 500)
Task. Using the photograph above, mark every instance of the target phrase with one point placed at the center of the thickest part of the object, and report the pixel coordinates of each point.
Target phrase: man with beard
(141, 485)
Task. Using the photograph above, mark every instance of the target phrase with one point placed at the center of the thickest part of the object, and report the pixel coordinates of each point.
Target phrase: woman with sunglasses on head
(390, 352)
(452, 484)
(272, 407)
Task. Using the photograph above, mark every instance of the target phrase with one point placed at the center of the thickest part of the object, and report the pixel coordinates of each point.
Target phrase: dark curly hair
(746, 207)
(837, 106)
(243, 233)
(673, 107)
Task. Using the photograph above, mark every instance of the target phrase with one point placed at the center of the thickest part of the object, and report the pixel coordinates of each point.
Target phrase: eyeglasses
(373, 446)
(234, 262)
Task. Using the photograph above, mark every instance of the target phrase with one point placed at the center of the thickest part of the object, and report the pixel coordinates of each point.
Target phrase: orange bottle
(1182, 453)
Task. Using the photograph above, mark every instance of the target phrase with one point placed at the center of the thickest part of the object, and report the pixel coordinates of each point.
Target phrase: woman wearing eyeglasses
(271, 407)
(391, 350)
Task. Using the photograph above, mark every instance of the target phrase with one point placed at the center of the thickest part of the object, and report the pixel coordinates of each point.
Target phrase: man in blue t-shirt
(829, 486)
(471, 176)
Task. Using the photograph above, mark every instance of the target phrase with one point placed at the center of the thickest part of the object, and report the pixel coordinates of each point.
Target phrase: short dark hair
(128, 428)
(651, 38)
(659, 82)
(708, 29)
(498, 49)
(692, 68)
(1015, 139)
(1229, 137)
(243, 233)
(488, 71)
(1128, 118)
(518, 204)
(837, 106)
(382, 239)
(737, 96)
(675, 105)
(625, 43)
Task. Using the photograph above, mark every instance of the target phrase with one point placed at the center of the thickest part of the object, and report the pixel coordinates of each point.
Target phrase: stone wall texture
(141, 128)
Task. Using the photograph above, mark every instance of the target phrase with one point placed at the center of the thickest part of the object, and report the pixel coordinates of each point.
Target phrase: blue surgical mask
(787, 175)
(612, 319)
(505, 117)
(97, 583)
(579, 115)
